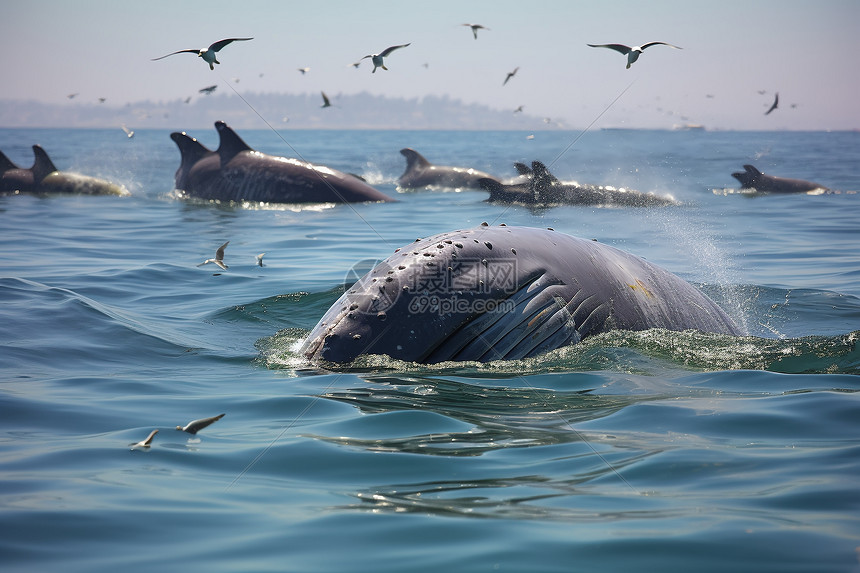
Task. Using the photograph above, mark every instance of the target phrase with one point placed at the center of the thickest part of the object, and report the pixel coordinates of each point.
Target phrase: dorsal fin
(191, 149)
(42, 166)
(751, 169)
(230, 144)
(522, 168)
(542, 173)
(414, 160)
(6, 163)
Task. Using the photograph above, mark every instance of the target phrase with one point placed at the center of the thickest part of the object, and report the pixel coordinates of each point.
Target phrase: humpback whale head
(492, 293)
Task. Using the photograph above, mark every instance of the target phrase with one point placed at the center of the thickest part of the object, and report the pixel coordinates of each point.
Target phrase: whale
(502, 293)
(752, 178)
(538, 187)
(43, 178)
(421, 173)
(236, 172)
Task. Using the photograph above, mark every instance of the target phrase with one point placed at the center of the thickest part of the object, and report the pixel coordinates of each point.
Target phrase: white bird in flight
(208, 54)
(219, 257)
(631, 53)
(377, 58)
(196, 425)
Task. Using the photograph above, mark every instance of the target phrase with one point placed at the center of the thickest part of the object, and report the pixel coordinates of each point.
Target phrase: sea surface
(646, 451)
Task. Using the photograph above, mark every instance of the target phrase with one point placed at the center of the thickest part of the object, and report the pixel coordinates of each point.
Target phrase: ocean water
(631, 451)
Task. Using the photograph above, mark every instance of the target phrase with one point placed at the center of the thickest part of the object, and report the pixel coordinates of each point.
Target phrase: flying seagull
(475, 28)
(326, 102)
(219, 257)
(631, 53)
(196, 425)
(127, 131)
(377, 58)
(304, 70)
(510, 75)
(774, 105)
(145, 443)
(207, 90)
(208, 54)
(260, 259)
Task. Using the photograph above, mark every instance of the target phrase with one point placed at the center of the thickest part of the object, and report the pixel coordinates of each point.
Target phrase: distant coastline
(298, 111)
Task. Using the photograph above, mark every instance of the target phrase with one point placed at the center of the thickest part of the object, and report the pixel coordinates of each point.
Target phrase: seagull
(326, 102)
(72, 96)
(631, 53)
(102, 99)
(774, 105)
(219, 257)
(145, 443)
(196, 425)
(475, 28)
(304, 70)
(208, 54)
(260, 259)
(207, 90)
(510, 75)
(127, 131)
(377, 58)
(519, 109)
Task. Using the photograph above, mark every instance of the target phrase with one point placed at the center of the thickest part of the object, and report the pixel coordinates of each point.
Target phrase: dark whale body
(492, 293)
(236, 172)
(44, 179)
(421, 173)
(752, 178)
(541, 188)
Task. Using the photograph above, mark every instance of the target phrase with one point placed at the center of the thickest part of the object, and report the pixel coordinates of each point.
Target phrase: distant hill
(300, 111)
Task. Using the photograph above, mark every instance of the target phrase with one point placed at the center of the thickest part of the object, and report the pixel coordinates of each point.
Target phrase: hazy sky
(804, 50)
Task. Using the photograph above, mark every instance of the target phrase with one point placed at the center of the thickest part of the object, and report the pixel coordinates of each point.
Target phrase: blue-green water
(631, 451)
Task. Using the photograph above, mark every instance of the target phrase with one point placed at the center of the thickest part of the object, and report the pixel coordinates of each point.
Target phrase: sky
(732, 50)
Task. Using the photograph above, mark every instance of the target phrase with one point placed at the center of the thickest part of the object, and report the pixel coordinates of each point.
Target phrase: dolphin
(236, 172)
(490, 293)
(539, 187)
(421, 173)
(752, 178)
(44, 179)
